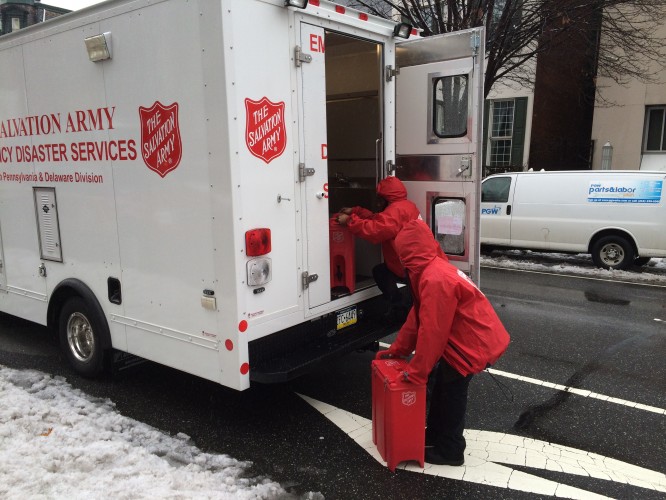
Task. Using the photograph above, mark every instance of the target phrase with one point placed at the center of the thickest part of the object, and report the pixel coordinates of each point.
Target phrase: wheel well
(612, 232)
(74, 288)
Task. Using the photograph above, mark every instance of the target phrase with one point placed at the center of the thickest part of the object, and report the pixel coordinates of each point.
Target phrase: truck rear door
(316, 278)
(341, 85)
(439, 105)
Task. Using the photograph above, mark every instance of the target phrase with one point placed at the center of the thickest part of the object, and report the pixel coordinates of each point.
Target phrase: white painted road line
(578, 392)
(572, 390)
(486, 450)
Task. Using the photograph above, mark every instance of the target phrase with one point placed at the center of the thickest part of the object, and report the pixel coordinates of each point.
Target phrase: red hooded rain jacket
(450, 318)
(382, 227)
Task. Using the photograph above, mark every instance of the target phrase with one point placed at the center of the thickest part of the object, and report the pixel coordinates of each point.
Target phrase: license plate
(346, 317)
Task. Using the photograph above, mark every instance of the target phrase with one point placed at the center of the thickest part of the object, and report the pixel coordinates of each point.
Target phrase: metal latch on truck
(301, 57)
(304, 172)
(308, 278)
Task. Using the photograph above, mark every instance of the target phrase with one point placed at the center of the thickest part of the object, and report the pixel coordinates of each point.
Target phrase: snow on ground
(58, 443)
(573, 264)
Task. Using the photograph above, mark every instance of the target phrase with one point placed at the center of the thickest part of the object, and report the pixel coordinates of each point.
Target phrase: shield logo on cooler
(338, 236)
(161, 147)
(408, 398)
(265, 131)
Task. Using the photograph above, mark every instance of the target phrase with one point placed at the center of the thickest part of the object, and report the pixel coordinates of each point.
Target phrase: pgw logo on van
(492, 211)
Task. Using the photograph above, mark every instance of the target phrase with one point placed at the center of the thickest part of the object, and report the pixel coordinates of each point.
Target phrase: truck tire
(641, 261)
(612, 252)
(79, 329)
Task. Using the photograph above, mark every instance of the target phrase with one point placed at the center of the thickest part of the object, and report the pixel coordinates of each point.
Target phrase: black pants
(448, 405)
(388, 284)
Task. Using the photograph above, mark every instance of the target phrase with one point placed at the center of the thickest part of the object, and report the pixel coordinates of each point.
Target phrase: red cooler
(343, 267)
(398, 414)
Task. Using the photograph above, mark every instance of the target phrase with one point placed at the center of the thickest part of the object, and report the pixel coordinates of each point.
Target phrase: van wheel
(612, 252)
(641, 261)
(79, 329)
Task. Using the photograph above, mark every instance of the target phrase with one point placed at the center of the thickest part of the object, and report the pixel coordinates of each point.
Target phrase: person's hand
(346, 211)
(343, 219)
(385, 354)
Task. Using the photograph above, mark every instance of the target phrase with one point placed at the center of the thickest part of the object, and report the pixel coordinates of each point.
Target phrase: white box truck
(619, 217)
(168, 170)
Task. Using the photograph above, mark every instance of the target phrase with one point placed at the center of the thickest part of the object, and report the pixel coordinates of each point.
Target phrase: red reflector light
(363, 17)
(257, 242)
(339, 9)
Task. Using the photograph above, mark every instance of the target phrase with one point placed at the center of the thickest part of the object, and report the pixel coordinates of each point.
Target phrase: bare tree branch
(621, 32)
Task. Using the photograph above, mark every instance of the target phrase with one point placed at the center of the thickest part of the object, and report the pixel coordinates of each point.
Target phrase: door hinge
(390, 167)
(391, 72)
(301, 57)
(304, 172)
(308, 278)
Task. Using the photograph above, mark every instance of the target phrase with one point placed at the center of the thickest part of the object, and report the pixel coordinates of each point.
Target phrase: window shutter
(484, 144)
(518, 138)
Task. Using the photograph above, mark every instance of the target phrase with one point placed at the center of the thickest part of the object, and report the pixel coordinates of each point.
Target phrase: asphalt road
(599, 339)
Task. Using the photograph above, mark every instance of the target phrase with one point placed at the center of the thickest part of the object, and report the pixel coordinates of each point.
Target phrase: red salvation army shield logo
(408, 398)
(161, 147)
(338, 236)
(265, 132)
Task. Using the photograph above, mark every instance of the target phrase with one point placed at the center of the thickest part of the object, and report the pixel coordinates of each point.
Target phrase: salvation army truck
(169, 171)
(619, 217)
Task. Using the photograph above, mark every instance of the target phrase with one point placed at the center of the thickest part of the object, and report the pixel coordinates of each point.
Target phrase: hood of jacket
(416, 246)
(392, 189)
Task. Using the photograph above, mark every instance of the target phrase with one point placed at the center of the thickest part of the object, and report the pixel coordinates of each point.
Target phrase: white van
(617, 216)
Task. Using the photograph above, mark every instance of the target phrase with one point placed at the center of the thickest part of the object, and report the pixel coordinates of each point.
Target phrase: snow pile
(573, 264)
(57, 442)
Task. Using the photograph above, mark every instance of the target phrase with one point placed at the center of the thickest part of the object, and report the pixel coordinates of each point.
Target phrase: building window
(16, 23)
(501, 132)
(655, 129)
(451, 106)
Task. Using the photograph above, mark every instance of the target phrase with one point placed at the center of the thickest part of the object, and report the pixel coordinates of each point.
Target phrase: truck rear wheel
(612, 252)
(80, 340)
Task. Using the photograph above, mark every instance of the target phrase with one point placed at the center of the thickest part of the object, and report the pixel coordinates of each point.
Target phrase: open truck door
(439, 109)
(342, 114)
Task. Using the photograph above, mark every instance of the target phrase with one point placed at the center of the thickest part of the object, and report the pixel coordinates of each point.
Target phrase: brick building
(18, 14)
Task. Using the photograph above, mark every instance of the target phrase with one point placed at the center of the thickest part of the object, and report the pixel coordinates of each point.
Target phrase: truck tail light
(259, 271)
(257, 242)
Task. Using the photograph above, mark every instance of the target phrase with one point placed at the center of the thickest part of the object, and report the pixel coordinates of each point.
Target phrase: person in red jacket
(455, 333)
(382, 227)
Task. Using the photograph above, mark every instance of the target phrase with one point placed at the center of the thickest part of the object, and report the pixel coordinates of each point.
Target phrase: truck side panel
(266, 135)
(164, 198)
(26, 290)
